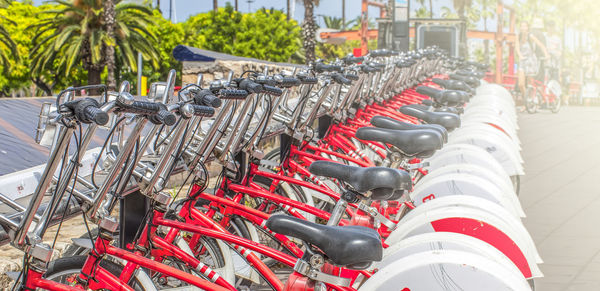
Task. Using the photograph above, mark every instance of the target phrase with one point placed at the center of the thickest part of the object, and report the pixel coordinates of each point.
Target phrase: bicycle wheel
(208, 251)
(531, 98)
(65, 270)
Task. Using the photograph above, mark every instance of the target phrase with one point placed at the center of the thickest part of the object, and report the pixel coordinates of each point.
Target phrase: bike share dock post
(132, 211)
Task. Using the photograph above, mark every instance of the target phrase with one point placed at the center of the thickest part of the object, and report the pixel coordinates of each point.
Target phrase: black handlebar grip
(376, 65)
(163, 117)
(338, 78)
(309, 80)
(369, 69)
(203, 111)
(143, 107)
(207, 98)
(272, 90)
(289, 82)
(352, 77)
(353, 60)
(87, 111)
(94, 114)
(233, 94)
(320, 67)
(403, 64)
(336, 68)
(250, 86)
(378, 53)
(431, 92)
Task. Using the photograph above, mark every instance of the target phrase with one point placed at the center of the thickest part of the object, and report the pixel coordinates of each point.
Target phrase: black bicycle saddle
(381, 181)
(352, 246)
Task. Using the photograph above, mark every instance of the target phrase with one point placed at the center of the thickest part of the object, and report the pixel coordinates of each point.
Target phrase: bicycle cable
(110, 134)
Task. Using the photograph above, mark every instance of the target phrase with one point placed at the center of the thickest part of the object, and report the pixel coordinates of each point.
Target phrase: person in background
(554, 47)
(526, 45)
(540, 49)
(591, 74)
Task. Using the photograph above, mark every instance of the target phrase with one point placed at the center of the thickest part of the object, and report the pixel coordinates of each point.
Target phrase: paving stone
(561, 195)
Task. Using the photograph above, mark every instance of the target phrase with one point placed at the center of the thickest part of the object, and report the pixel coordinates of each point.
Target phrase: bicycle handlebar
(202, 111)
(163, 116)
(338, 78)
(250, 86)
(308, 80)
(236, 94)
(207, 98)
(271, 90)
(88, 110)
(321, 67)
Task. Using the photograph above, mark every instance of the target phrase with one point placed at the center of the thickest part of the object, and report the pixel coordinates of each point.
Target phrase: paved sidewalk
(560, 193)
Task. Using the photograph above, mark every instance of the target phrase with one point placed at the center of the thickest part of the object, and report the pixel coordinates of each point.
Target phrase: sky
(185, 8)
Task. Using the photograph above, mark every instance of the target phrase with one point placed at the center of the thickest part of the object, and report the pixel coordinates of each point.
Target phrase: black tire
(273, 155)
(61, 269)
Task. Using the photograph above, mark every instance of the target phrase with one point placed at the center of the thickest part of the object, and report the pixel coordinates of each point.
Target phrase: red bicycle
(543, 95)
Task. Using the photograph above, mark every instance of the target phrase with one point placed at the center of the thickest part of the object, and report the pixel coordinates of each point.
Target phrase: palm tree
(216, 5)
(309, 28)
(109, 49)
(75, 33)
(333, 22)
(343, 14)
(487, 12)
(356, 23)
(6, 41)
(460, 6)
(423, 11)
(431, 8)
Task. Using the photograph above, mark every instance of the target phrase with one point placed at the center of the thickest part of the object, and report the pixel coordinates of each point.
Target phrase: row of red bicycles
(391, 171)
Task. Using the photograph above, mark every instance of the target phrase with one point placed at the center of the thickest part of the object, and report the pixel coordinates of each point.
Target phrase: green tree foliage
(330, 52)
(265, 34)
(214, 31)
(19, 18)
(337, 22)
(168, 36)
(73, 34)
(355, 23)
(423, 12)
(8, 49)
